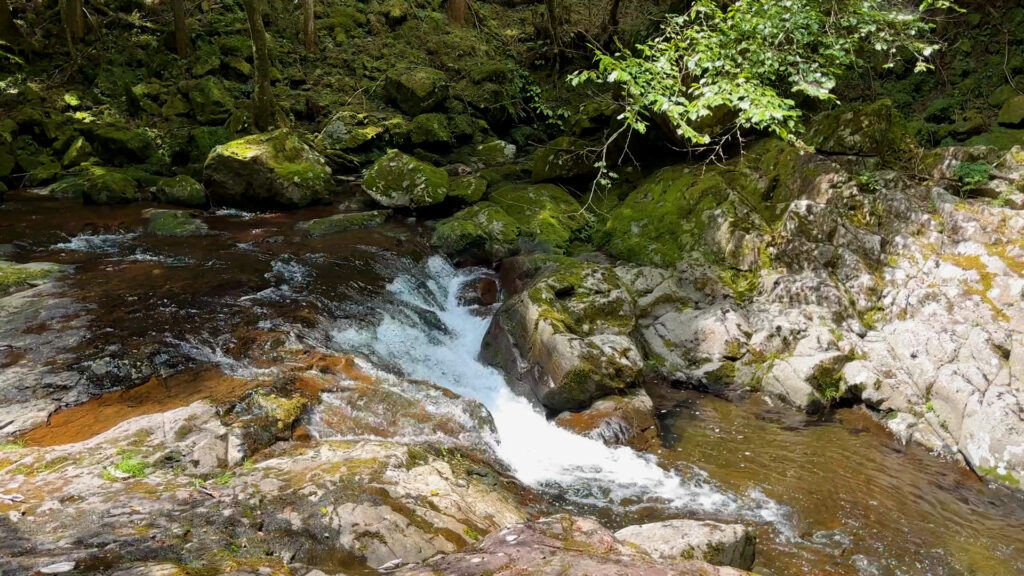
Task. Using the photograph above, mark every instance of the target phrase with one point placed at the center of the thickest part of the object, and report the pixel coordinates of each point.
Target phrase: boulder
(120, 146)
(1011, 114)
(812, 377)
(694, 346)
(567, 336)
(398, 180)
(210, 100)
(431, 129)
(100, 185)
(174, 223)
(873, 130)
(711, 542)
(181, 191)
(626, 420)
(564, 545)
(15, 276)
(547, 215)
(415, 90)
(271, 170)
(481, 232)
(495, 152)
(345, 222)
(468, 188)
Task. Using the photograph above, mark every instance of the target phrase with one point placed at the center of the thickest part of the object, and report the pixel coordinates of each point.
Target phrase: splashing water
(539, 453)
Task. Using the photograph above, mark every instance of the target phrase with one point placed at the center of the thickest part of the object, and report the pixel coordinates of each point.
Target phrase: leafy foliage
(972, 174)
(750, 60)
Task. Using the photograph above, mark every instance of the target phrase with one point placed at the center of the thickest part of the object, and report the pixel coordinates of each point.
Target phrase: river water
(830, 495)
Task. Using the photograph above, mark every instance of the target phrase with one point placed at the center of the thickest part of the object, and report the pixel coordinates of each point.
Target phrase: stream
(833, 494)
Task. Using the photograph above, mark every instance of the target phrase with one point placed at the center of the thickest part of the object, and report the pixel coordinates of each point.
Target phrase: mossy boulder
(1012, 113)
(482, 232)
(174, 223)
(211, 103)
(79, 152)
(120, 146)
(416, 90)
(567, 335)
(101, 185)
(348, 130)
(431, 129)
(547, 215)
(344, 222)
(495, 152)
(398, 180)
(564, 158)
(873, 130)
(15, 276)
(272, 170)
(182, 191)
(469, 188)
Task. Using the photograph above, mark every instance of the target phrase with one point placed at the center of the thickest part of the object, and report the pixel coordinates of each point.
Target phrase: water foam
(100, 243)
(540, 454)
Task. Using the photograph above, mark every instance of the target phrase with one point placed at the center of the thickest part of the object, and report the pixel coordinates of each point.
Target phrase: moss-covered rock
(431, 129)
(211, 103)
(174, 223)
(573, 324)
(14, 276)
(416, 90)
(565, 157)
(873, 130)
(182, 191)
(101, 185)
(469, 188)
(345, 222)
(1012, 113)
(547, 215)
(495, 152)
(271, 170)
(79, 152)
(481, 232)
(120, 146)
(349, 129)
(398, 180)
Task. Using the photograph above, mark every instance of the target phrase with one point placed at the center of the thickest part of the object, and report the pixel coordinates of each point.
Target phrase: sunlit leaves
(752, 57)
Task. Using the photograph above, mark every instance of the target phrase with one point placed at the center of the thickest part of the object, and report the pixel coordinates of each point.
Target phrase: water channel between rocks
(829, 495)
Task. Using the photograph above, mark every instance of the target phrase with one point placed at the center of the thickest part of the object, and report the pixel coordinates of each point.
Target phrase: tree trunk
(611, 24)
(180, 32)
(308, 25)
(8, 30)
(457, 12)
(553, 28)
(263, 99)
(73, 15)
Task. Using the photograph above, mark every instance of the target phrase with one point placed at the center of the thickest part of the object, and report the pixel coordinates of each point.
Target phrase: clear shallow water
(834, 496)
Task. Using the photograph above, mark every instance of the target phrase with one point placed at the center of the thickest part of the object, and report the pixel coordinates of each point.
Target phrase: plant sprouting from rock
(724, 66)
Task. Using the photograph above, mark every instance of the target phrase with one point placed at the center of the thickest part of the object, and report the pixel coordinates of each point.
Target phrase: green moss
(345, 222)
(129, 466)
(971, 175)
(431, 129)
(483, 230)
(399, 180)
(1001, 138)
(995, 474)
(546, 214)
(14, 276)
(468, 188)
(174, 223)
(180, 190)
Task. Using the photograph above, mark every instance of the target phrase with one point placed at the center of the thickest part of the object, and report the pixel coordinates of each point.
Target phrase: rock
(401, 181)
(547, 215)
(271, 170)
(174, 223)
(415, 90)
(210, 101)
(566, 337)
(100, 185)
(345, 222)
(1011, 114)
(565, 157)
(495, 152)
(617, 421)
(810, 381)
(15, 276)
(120, 146)
(181, 191)
(873, 130)
(1001, 95)
(711, 542)
(691, 345)
(78, 153)
(564, 545)
(431, 129)
(468, 188)
(481, 232)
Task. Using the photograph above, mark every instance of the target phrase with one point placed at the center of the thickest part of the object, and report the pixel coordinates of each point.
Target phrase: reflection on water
(865, 504)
